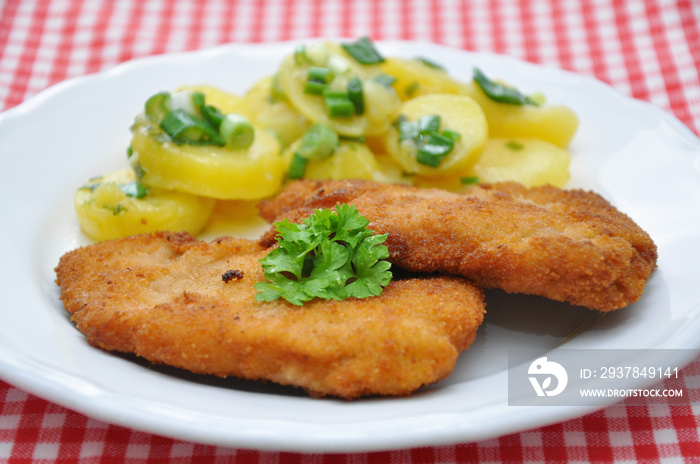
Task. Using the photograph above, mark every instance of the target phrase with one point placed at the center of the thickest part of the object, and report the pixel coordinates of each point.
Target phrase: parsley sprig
(330, 255)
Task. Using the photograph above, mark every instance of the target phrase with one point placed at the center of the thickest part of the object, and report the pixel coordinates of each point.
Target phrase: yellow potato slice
(351, 160)
(206, 170)
(553, 123)
(274, 115)
(105, 212)
(381, 102)
(415, 78)
(458, 113)
(531, 162)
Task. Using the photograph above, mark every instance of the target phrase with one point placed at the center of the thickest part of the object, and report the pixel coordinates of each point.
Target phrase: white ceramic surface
(639, 157)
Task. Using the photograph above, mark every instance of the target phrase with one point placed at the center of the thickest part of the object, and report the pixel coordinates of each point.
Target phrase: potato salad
(331, 111)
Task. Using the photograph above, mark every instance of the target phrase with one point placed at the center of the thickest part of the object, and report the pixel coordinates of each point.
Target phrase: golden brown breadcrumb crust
(168, 298)
(567, 245)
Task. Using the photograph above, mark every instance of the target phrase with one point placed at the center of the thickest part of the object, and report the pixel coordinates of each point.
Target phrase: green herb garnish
(501, 93)
(432, 144)
(431, 64)
(330, 255)
(363, 51)
(469, 180)
(185, 128)
(134, 189)
(514, 145)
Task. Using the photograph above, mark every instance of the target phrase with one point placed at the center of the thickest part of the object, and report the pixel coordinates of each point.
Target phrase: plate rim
(18, 372)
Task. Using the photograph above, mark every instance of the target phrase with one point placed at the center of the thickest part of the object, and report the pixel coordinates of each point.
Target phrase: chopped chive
(430, 63)
(314, 87)
(212, 115)
(277, 92)
(158, 106)
(514, 145)
(237, 132)
(356, 94)
(429, 122)
(198, 101)
(297, 168)
(300, 56)
(338, 103)
(134, 189)
(387, 80)
(432, 145)
(319, 74)
(139, 170)
(338, 64)
(184, 128)
(317, 80)
(363, 51)
(469, 180)
(186, 101)
(412, 88)
(501, 93)
(433, 148)
(91, 186)
(452, 135)
(129, 152)
(118, 209)
(319, 142)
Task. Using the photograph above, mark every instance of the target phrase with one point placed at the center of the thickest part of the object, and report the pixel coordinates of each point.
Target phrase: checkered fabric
(649, 50)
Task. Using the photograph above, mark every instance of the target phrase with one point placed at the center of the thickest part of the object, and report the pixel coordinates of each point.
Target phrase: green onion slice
(134, 189)
(212, 115)
(433, 148)
(338, 103)
(317, 80)
(183, 127)
(319, 142)
(237, 132)
(158, 106)
(432, 144)
(298, 167)
(514, 145)
(430, 63)
(300, 56)
(356, 94)
(501, 93)
(387, 80)
(277, 93)
(363, 51)
(469, 180)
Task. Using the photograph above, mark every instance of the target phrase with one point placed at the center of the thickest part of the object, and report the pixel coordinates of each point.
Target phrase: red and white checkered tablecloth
(649, 50)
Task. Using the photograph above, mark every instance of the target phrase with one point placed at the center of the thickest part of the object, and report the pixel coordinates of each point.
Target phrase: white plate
(640, 158)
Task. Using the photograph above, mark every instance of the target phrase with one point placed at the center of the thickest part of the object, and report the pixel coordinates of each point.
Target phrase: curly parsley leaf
(330, 255)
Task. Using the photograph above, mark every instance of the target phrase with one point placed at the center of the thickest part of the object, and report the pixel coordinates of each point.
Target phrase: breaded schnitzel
(567, 245)
(173, 299)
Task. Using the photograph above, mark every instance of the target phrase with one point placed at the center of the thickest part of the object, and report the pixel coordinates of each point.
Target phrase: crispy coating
(567, 245)
(173, 299)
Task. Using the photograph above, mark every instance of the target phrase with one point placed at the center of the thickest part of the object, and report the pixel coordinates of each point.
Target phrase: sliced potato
(105, 211)
(458, 113)
(207, 170)
(275, 115)
(351, 160)
(415, 78)
(531, 162)
(553, 123)
(381, 102)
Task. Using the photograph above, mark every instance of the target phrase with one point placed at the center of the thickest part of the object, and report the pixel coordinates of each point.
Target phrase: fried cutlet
(567, 245)
(173, 299)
